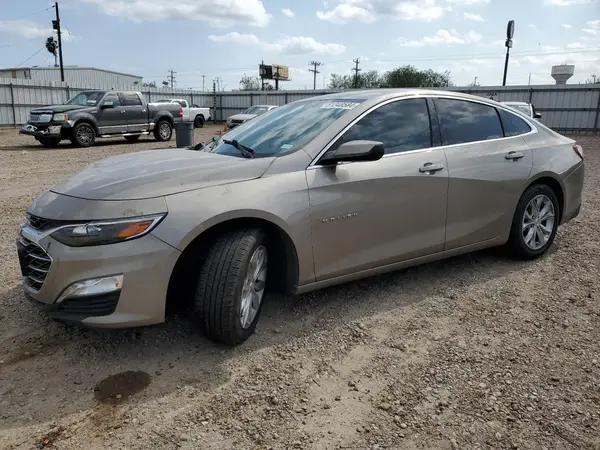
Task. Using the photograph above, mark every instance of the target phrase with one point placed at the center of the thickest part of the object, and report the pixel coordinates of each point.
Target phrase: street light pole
(510, 31)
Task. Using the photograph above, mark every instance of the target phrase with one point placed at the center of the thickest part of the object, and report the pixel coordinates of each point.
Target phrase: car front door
(111, 115)
(369, 214)
(137, 114)
(488, 166)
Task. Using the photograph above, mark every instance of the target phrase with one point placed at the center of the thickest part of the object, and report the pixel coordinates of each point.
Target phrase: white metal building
(76, 77)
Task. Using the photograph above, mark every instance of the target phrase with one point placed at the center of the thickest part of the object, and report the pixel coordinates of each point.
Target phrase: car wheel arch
(283, 259)
(550, 180)
(89, 121)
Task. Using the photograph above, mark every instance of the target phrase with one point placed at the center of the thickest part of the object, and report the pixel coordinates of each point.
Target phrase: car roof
(515, 103)
(263, 106)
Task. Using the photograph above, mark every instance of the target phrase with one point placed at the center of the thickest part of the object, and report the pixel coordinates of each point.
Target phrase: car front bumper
(145, 265)
(46, 130)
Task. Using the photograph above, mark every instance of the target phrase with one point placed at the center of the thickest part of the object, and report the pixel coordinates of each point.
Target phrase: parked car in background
(525, 108)
(93, 114)
(317, 192)
(191, 113)
(250, 113)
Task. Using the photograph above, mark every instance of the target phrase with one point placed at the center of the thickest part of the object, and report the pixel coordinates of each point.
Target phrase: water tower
(562, 73)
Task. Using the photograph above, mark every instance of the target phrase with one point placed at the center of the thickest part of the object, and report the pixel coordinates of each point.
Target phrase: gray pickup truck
(100, 114)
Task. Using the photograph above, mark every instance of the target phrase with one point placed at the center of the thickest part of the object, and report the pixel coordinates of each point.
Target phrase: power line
(28, 15)
(314, 70)
(20, 64)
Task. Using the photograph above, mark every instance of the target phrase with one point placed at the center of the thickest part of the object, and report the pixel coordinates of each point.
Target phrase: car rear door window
(513, 125)
(131, 99)
(464, 121)
(401, 126)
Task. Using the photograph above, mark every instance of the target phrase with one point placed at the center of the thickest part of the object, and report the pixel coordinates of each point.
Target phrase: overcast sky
(227, 38)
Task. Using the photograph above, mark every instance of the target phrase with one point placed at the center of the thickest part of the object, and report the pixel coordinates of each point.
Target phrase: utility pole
(218, 84)
(203, 76)
(356, 70)
(529, 82)
(314, 70)
(171, 77)
(56, 26)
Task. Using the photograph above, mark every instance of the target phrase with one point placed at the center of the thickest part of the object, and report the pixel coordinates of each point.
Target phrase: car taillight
(578, 149)
(181, 112)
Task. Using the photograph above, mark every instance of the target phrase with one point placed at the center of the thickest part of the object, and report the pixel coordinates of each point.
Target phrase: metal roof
(36, 68)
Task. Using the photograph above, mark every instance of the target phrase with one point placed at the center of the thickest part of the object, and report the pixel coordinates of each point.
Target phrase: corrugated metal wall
(564, 108)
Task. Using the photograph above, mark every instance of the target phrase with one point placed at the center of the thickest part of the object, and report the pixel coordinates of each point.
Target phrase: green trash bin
(184, 134)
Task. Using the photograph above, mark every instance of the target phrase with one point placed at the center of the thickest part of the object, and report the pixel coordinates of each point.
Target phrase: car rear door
(369, 214)
(112, 116)
(137, 114)
(487, 168)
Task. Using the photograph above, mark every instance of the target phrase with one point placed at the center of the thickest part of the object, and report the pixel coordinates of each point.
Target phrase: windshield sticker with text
(339, 105)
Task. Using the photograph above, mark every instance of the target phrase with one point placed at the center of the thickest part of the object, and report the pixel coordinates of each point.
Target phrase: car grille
(35, 263)
(41, 224)
(40, 117)
(92, 306)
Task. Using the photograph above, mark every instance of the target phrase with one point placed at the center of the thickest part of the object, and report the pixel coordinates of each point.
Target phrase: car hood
(243, 116)
(156, 173)
(60, 108)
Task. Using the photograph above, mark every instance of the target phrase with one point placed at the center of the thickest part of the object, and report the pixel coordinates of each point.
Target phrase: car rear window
(463, 121)
(513, 125)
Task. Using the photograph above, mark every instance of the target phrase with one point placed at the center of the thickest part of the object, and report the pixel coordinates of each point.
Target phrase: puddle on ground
(118, 388)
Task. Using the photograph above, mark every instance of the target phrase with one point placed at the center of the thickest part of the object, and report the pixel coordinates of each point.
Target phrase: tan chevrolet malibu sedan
(314, 193)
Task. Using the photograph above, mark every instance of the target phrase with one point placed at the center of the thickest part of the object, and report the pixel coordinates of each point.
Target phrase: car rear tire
(198, 122)
(84, 135)
(132, 138)
(163, 131)
(49, 142)
(535, 223)
(230, 291)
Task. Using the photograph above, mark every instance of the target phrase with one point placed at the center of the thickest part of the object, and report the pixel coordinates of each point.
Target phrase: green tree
(367, 80)
(410, 76)
(404, 76)
(249, 83)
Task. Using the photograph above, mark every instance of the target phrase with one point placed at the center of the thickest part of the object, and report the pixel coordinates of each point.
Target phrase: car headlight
(60, 117)
(106, 232)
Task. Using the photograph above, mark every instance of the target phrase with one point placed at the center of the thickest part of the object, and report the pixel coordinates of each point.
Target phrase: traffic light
(55, 25)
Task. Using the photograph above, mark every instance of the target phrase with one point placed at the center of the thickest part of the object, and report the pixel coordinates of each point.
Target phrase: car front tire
(231, 287)
(84, 135)
(535, 223)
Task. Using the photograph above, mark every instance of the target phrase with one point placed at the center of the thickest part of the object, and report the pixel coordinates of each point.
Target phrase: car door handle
(430, 168)
(514, 155)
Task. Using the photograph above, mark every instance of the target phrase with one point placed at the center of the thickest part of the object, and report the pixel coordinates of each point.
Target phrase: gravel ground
(473, 352)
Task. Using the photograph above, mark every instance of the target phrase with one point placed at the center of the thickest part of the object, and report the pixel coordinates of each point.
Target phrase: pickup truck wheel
(198, 122)
(231, 286)
(83, 135)
(49, 142)
(132, 138)
(163, 131)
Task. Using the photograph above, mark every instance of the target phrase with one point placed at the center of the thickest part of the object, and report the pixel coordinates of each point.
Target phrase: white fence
(565, 108)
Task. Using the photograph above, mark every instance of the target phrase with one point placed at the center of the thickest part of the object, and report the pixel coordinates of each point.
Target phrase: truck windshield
(86, 98)
(256, 110)
(284, 129)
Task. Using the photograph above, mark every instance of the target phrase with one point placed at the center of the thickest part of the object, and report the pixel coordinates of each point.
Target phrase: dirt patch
(116, 389)
(476, 352)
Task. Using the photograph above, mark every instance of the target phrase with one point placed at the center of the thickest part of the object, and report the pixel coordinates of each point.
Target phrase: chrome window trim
(313, 164)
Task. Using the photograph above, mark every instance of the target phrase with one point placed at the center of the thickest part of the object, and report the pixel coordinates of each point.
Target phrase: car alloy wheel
(538, 222)
(254, 286)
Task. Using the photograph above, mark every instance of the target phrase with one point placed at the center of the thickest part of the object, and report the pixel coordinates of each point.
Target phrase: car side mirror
(108, 104)
(537, 115)
(354, 151)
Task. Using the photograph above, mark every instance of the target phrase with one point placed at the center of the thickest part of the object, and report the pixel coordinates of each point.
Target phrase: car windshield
(256, 110)
(87, 98)
(284, 129)
(522, 108)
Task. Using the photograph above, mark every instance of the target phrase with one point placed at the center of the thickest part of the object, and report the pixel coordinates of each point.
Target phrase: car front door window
(402, 126)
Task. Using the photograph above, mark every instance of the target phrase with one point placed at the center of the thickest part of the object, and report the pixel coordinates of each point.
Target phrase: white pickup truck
(191, 113)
